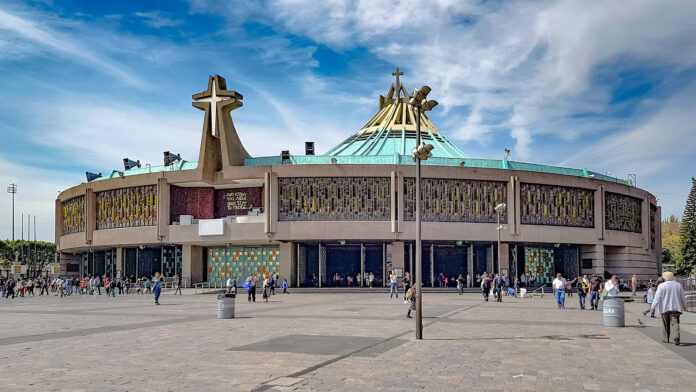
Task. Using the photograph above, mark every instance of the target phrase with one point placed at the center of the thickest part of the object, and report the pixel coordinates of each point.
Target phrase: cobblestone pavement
(331, 342)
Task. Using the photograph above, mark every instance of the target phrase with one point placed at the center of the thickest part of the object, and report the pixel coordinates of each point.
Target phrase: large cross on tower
(217, 96)
(397, 87)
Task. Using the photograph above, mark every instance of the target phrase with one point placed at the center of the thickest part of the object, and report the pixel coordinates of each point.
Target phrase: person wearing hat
(670, 302)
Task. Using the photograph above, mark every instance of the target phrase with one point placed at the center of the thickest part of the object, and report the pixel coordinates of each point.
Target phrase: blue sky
(604, 85)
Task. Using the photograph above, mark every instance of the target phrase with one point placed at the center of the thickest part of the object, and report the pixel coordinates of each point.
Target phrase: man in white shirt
(669, 300)
(612, 287)
(559, 286)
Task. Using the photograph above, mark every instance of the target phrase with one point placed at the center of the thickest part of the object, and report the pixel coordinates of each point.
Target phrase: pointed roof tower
(392, 131)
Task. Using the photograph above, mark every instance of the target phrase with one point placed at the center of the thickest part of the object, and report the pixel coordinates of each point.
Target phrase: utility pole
(22, 226)
(12, 189)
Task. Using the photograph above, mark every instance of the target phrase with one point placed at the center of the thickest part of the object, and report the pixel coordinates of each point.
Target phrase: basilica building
(333, 219)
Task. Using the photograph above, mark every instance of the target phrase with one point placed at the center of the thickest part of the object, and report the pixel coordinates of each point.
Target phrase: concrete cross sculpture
(217, 100)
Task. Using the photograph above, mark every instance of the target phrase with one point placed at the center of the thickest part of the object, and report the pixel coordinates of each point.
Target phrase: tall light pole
(12, 189)
(499, 209)
(420, 153)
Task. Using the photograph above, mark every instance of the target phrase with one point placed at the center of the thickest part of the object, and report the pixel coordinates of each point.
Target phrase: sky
(608, 86)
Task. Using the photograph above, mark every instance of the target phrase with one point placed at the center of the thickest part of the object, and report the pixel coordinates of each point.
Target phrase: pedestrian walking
(251, 287)
(460, 284)
(650, 296)
(285, 286)
(634, 283)
(485, 287)
(148, 285)
(595, 290)
(559, 286)
(582, 293)
(178, 285)
(611, 287)
(266, 288)
(411, 298)
(497, 288)
(670, 302)
(157, 282)
(393, 287)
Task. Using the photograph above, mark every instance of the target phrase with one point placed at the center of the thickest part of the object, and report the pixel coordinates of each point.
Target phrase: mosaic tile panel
(334, 198)
(454, 200)
(653, 224)
(556, 205)
(539, 263)
(127, 207)
(242, 262)
(622, 213)
(74, 215)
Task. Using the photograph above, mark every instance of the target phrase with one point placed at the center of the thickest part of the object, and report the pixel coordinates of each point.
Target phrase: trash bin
(226, 306)
(613, 312)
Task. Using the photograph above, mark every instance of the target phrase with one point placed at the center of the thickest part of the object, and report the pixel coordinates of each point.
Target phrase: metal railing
(538, 291)
(690, 301)
(207, 287)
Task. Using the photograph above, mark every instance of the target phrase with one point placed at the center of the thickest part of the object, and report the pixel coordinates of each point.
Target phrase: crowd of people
(269, 284)
(93, 285)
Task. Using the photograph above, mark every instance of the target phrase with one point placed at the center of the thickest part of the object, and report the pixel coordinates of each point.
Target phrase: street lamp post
(12, 189)
(499, 209)
(420, 153)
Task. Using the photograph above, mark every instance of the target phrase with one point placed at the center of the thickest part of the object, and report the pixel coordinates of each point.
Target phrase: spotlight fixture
(129, 164)
(120, 173)
(462, 163)
(92, 176)
(309, 148)
(422, 152)
(170, 158)
(285, 155)
(334, 160)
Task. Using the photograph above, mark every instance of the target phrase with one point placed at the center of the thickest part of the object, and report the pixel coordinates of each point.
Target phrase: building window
(556, 205)
(622, 213)
(74, 215)
(127, 207)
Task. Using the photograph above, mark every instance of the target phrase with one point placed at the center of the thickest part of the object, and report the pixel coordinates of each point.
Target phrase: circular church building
(328, 220)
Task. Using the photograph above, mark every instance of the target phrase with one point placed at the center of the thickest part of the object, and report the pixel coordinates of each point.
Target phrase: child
(285, 286)
(651, 296)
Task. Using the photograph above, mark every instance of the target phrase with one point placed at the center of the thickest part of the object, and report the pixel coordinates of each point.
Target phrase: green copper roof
(181, 165)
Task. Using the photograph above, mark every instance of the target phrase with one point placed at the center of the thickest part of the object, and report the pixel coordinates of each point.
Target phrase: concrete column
(400, 204)
(410, 259)
(384, 264)
(432, 265)
(504, 258)
(394, 201)
(490, 252)
(273, 207)
(297, 259)
(658, 239)
(511, 206)
(599, 212)
(320, 266)
(398, 255)
(119, 262)
(362, 264)
(90, 215)
(645, 223)
(287, 262)
(163, 202)
(267, 202)
(192, 263)
(58, 223)
(470, 264)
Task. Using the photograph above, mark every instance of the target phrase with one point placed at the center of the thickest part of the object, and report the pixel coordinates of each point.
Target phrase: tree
(667, 256)
(688, 233)
(36, 255)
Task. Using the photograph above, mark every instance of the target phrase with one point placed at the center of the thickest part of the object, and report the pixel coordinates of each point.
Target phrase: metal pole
(22, 226)
(34, 228)
(498, 228)
(419, 255)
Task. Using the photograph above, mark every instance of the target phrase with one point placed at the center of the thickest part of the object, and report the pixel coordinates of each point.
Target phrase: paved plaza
(334, 341)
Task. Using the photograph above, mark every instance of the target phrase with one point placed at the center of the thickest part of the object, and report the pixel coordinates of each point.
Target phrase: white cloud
(157, 19)
(49, 38)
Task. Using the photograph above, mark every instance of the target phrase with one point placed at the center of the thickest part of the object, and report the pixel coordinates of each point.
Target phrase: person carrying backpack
(485, 287)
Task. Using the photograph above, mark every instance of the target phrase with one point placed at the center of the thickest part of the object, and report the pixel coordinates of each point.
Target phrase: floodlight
(285, 155)
(500, 207)
(429, 105)
(92, 176)
(120, 173)
(129, 164)
(170, 158)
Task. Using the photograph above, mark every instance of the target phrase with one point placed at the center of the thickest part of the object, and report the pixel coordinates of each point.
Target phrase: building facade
(328, 220)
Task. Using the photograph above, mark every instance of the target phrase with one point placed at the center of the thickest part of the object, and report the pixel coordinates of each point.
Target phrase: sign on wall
(237, 201)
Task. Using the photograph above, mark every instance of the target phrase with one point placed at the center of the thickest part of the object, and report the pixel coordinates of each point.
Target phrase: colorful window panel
(127, 207)
(556, 205)
(453, 200)
(623, 213)
(653, 223)
(242, 262)
(538, 262)
(334, 198)
(74, 215)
